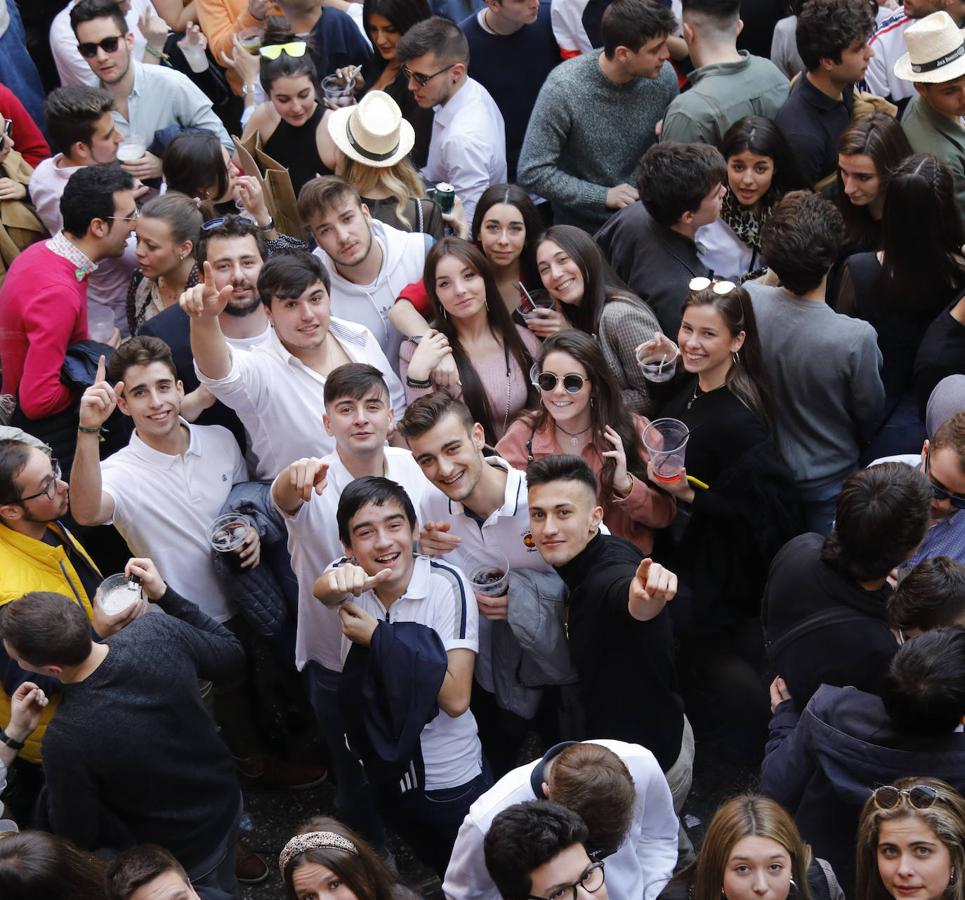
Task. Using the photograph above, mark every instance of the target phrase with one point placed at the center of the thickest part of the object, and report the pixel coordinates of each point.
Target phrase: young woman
(168, 230)
(292, 125)
(493, 356)
(911, 842)
(593, 299)
(904, 286)
(753, 851)
(868, 152)
(19, 224)
(35, 865)
(760, 170)
(581, 412)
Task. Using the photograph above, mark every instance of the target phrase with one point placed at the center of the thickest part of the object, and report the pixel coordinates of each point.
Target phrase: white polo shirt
(280, 400)
(314, 545)
(439, 597)
(163, 505)
(506, 531)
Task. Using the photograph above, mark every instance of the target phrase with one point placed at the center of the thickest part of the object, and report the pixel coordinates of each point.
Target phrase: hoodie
(403, 259)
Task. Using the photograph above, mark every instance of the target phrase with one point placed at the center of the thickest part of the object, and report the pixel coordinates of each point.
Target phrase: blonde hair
(400, 180)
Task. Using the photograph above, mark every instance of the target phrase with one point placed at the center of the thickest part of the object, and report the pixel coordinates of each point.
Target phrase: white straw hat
(936, 51)
(373, 132)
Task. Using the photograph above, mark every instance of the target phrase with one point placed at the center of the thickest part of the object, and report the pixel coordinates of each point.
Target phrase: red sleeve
(27, 137)
(416, 294)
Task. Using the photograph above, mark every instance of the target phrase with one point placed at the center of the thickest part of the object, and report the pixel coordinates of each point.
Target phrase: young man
(148, 872)
(935, 64)
(824, 367)
(369, 262)
(377, 527)
(824, 608)
(512, 50)
(597, 114)
(468, 145)
(726, 83)
(278, 390)
(650, 244)
(832, 38)
(616, 602)
(617, 789)
(147, 99)
(132, 755)
(538, 849)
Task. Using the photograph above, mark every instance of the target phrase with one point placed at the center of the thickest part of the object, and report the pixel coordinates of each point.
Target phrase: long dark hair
(403, 14)
(921, 239)
(606, 406)
(279, 31)
(762, 137)
(193, 163)
(500, 326)
(747, 378)
(513, 195)
(35, 865)
(600, 282)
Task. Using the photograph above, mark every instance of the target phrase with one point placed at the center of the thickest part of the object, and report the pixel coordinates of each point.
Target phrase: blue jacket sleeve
(787, 758)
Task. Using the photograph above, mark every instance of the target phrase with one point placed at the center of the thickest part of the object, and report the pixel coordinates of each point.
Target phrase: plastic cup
(657, 365)
(132, 148)
(100, 321)
(666, 442)
(490, 576)
(533, 300)
(338, 91)
(227, 534)
(119, 593)
(251, 38)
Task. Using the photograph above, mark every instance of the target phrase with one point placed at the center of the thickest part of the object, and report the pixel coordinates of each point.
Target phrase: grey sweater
(587, 134)
(825, 370)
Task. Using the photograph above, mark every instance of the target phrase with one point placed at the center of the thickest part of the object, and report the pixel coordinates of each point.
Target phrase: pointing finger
(101, 369)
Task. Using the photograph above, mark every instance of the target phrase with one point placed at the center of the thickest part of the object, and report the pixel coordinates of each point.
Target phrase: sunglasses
(273, 51)
(940, 492)
(700, 283)
(920, 797)
(572, 383)
(419, 78)
(108, 45)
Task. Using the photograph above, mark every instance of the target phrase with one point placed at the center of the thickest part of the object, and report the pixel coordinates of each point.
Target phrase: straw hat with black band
(373, 132)
(936, 50)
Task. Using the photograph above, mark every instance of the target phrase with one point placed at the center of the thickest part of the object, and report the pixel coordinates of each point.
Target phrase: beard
(245, 308)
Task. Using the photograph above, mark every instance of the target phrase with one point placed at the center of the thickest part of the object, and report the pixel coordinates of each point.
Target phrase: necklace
(574, 436)
(697, 393)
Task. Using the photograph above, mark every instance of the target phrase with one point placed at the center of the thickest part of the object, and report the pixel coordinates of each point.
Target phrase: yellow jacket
(26, 565)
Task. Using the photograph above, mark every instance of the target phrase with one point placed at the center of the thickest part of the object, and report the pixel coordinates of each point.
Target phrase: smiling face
(459, 288)
(560, 274)
(344, 231)
(758, 868)
(563, 518)
(236, 261)
(157, 252)
(749, 176)
(380, 537)
(859, 175)
(571, 411)
(110, 68)
(706, 344)
(360, 425)
(301, 323)
(502, 235)
(450, 456)
(912, 860)
(293, 98)
(152, 398)
(383, 35)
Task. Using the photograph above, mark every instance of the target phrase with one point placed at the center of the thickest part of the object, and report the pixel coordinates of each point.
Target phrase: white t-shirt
(439, 597)
(314, 545)
(723, 252)
(163, 505)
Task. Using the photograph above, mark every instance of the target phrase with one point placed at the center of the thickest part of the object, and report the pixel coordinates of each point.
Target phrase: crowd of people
(390, 388)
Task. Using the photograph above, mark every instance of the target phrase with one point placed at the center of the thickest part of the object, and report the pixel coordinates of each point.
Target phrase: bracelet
(269, 227)
(418, 384)
(9, 741)
(83, 430)
(157, 54)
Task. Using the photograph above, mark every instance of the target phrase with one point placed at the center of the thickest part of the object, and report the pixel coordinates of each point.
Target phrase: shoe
(250, 868)
(283, 774)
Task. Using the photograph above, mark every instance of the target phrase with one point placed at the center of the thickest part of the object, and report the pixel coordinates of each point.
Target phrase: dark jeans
(214, 878)
(501, 732)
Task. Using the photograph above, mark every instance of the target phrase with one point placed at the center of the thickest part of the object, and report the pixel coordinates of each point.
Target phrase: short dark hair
(289, 275)
(882, 515)
(426, 412)
(89, 195)
(46, 629)
(931, 595)
(194, 165)
(320, 194)
(13, 457)
(673, 178)
(353, 380)
(370, 489)
(825, 28)
(951, 435)
(561, 467)
(232, 226)
(436, 35)
(137, 867)
(88, 10)
(141, 350)
(631, 23)
(801, 240)
(72, 112)
(524, 837)
(924, 690)
(720, 12)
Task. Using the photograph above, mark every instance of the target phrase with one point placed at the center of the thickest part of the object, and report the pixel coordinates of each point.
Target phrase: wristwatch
(269, 227)
(9, 741)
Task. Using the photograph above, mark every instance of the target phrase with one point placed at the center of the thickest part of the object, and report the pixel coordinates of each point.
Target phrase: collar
(83, 265)
(138, 78)
(537, 775)
(418, 588)
(34, 548)
(164, 460)
(815, 97)
(723, 68)
(445, 113)
(511, 496)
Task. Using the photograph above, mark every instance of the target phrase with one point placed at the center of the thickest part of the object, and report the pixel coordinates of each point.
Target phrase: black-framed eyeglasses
(50, 486)
(420, 78)
(920, 796)
(109, 44)
(591, 881)
(572, 382)
(939, 491)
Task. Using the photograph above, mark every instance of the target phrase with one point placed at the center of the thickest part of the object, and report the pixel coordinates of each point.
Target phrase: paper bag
(275, 182)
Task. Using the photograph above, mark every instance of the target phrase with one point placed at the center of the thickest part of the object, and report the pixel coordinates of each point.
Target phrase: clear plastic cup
(666, 442)
(251, 38)
(489, 576)
(119, 593)
(132, 148)
(227, 534)
(338, 91)
(533, 300)
(100, 321)
(657, 365)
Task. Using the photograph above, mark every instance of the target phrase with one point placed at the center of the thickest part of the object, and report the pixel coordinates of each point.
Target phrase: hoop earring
(445, 315)
(737, 357)
(792, 888)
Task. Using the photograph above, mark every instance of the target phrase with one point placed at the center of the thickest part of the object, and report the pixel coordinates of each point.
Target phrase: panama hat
(372, 132)
(936, 51)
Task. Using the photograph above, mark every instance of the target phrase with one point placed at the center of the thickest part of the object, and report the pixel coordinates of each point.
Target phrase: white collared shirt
(163, 505)
(468, 146)
(280, 400)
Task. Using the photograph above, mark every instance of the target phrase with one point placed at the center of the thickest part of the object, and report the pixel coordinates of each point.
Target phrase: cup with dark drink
(489, 576)
(227, 535)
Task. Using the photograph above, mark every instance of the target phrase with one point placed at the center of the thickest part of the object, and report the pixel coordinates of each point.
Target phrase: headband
(313, 840)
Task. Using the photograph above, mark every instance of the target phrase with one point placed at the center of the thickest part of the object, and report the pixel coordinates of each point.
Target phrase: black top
(626, 667)
(431, 215)
(941, 353)
(296, 148)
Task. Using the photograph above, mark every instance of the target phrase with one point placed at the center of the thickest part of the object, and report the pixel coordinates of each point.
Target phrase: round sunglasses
(572, 382)
(920, 796)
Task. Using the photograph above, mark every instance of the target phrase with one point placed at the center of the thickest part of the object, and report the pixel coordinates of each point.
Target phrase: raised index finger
(101, 369)
(643, 570)
(208, 273)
